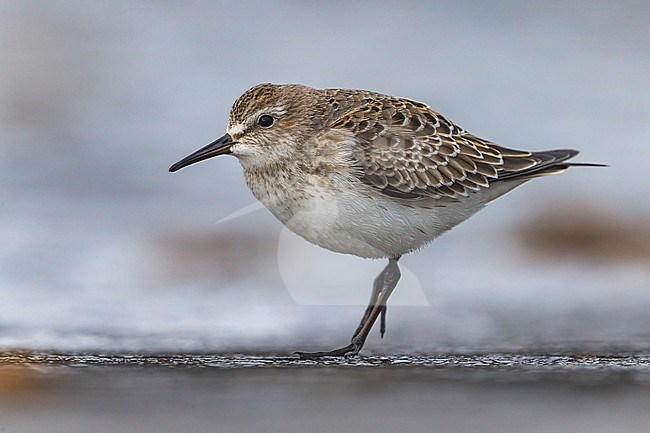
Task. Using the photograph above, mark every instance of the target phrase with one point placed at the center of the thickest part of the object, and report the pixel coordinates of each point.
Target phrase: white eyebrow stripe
(274, 111)
(239, 128)
(279, 111)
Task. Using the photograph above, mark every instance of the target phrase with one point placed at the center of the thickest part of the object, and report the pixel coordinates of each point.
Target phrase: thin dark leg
(377, 287)
(384, 285)
(390, 282)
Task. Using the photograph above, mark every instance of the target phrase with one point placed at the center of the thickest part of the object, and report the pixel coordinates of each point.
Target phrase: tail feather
(536, 164)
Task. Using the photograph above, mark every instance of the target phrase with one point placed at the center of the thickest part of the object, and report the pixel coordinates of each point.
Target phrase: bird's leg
(384, 285)
(376, 290)
(382, 321)
(389, 278)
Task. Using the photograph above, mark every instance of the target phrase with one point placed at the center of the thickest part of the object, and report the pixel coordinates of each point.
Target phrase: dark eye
(265, 121)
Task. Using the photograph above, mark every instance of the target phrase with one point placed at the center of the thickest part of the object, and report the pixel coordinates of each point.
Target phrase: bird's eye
(265, 121)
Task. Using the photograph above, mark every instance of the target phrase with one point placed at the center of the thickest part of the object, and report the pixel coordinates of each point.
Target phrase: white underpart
(373, 225)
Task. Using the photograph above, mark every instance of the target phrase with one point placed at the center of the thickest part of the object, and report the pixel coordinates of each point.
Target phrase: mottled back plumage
(410, 151)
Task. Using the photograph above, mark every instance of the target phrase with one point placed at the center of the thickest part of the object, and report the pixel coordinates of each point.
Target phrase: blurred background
(102, 249)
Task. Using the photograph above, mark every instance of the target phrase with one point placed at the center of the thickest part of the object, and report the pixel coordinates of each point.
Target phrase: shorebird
(364, 173)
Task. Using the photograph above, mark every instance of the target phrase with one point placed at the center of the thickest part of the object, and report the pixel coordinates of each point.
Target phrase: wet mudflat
(50, 392)
(609, 362)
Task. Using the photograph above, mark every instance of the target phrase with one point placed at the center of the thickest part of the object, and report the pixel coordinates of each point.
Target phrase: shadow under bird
(363, 173)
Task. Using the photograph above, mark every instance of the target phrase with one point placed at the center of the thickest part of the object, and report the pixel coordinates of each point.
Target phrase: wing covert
(409, 151)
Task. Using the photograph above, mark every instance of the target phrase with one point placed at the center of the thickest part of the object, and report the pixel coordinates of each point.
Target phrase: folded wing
(408, 151)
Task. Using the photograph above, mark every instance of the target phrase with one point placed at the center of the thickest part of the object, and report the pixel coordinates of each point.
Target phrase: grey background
(103, 249)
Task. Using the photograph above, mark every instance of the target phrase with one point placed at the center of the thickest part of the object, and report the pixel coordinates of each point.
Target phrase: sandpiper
(369, 174)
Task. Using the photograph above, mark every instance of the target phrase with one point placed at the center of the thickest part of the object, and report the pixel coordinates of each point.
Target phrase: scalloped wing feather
(408, 151)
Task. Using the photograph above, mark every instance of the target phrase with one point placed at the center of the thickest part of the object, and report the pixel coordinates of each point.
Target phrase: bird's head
(267, 123)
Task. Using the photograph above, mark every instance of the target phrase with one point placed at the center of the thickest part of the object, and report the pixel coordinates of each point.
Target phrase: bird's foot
(349, 350)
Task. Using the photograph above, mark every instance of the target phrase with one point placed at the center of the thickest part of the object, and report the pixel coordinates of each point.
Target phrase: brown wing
(409, 151)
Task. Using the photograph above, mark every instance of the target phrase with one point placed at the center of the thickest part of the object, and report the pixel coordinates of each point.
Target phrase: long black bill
(220, 146)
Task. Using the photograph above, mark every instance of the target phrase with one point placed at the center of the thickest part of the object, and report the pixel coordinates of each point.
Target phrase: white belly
(368, 226)
(352, 219)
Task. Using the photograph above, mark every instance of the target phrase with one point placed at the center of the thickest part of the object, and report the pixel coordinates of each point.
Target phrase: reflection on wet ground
(504, 392)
